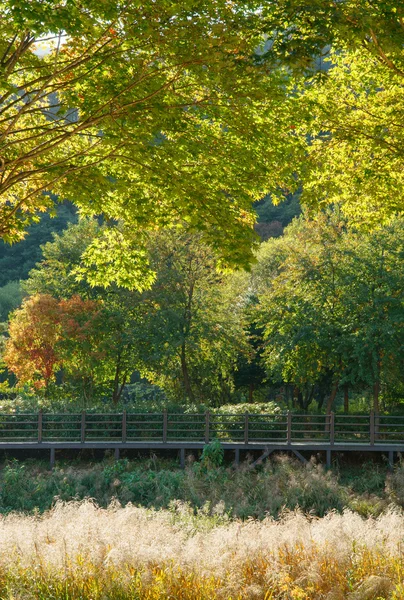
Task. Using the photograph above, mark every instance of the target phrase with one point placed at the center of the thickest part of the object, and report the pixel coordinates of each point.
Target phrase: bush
(212, 455)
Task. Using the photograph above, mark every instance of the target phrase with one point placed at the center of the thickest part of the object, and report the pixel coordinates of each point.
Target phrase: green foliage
(343, 102)
(353, 155)
(212, 493)
(283, 212)
(331, 306)
(301, 32)
(212, 454)
(193, 121)
(162, 110)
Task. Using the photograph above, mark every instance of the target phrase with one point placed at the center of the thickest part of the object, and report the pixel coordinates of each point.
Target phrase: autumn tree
(31, 349)
(94, 347)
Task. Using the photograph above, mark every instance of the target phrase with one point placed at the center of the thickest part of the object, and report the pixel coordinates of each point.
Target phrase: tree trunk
(118, 388)
(376, 393)
(376, 388)
(308, 397)
(185, 374)
(346, 398)
(320, 402)
(299, 397)
(304, 397)
(250, 392)
(331, 398)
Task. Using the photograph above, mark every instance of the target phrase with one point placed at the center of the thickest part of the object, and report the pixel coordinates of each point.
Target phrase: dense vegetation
(278, 485)
(320, 313)
(163, 152)
(194, 548)
(159, 135)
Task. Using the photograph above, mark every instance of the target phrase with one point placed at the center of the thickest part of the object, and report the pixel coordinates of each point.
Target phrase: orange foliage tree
(31, 350)
(81, 338)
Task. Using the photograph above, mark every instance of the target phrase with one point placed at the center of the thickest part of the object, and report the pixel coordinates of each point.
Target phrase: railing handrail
(287, 428)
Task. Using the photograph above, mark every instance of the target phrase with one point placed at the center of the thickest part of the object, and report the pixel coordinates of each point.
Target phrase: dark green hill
(18, 259)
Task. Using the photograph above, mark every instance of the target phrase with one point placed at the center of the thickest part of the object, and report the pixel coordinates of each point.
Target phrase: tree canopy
(331, 305)
(147, 113)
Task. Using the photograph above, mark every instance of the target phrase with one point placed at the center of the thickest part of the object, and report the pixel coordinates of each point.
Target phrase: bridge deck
(190, 431)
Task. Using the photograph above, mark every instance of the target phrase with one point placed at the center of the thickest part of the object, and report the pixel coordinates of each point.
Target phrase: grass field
(156, 532)
(78, 550)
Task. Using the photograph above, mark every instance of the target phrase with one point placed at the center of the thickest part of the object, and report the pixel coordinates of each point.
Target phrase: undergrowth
(279, 484)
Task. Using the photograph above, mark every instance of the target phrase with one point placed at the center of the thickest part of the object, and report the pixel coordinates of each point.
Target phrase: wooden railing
(166, 427)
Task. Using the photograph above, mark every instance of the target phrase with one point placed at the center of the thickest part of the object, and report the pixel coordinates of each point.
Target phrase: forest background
(148, 288)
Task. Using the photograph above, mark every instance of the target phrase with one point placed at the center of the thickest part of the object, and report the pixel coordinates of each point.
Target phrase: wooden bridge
(260, 434)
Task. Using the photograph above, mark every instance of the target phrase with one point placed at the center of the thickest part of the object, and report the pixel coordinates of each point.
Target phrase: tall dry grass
(80, 551)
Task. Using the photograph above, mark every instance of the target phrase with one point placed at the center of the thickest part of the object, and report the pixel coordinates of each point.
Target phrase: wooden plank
(261, 459)
(52, 458)
(40, 423)
(83, 427)
(332, 428)
(165, 425)
(207, 426)
(328, 459)
(124, 426)
(289, 428)
(372, 428)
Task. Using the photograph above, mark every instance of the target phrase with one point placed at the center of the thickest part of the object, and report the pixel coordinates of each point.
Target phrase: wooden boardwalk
(259, 434)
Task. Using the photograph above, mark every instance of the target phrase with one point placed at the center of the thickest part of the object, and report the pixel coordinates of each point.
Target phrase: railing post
(372, 428)
(52, 458)
(83, 427)
(332, 428)
(289, 428)
(40, 423)
(207, 426)
(124, 426)
(165, 425)
(377, 425)
(246, 428)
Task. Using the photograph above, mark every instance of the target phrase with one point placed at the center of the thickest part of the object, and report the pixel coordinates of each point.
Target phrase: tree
(302, 31)
(83, 340)
(345, 103)
(146, 113)
(111, 316)
(331, 306)
(354, 156)
(249, 371)
(95, 345)
(193, 327)
(56, 273)
(34, 331)
(10, 299)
